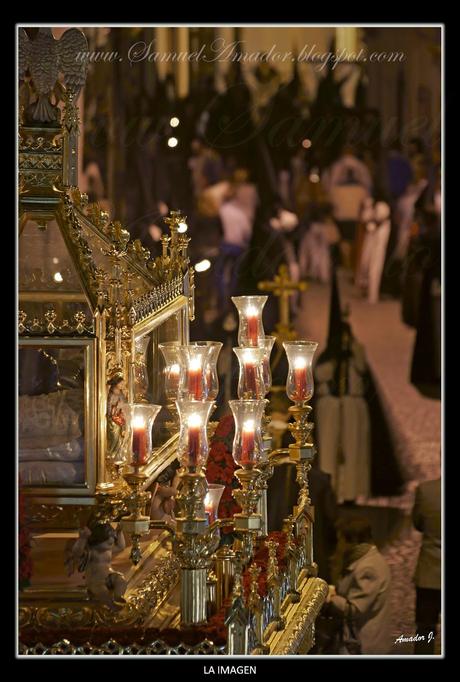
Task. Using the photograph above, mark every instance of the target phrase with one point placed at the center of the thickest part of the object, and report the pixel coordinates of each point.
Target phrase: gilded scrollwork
(300, 626)
(140, 604)
(32, 143)
(111, 647)
(53, 326)
(46, 162)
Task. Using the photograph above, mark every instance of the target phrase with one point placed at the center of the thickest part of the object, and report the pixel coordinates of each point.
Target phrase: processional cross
(283, 288)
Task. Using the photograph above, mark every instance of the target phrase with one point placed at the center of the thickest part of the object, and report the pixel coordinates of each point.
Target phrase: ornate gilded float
(94, 308)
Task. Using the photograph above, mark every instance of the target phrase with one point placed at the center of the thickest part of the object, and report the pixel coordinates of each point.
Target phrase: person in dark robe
(380, 473)
(425, 371)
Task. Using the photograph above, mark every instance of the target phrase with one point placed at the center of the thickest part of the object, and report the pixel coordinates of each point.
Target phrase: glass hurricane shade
(172, 369)
(142, 417)
(193, 437)
(299, 384)
(267, 345)
(199, 379)
(251, 329)
(250, 379)
(248, 447)
(212, 500)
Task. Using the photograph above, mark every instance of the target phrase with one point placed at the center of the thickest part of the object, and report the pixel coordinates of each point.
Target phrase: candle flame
(207, 500)
(251, 311)
(174, 369)
(138, 422)
(248, 356)
(249, 425)
(195, 363)
(194, 420)
(300, 363)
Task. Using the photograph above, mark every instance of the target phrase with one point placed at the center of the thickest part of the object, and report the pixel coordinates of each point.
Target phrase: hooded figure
(342, 415)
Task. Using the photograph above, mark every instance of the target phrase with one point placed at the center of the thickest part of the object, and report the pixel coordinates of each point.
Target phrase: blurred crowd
(256, 196)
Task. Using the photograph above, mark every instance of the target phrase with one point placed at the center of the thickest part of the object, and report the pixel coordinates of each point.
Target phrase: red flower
(213, 473)
(225, 427)
(218, 451)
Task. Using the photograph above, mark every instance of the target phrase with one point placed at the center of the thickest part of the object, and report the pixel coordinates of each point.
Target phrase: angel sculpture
(44, 58)
(163, 495)
(92, 555)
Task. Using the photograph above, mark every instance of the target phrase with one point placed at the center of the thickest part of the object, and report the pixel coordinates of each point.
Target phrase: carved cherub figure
(163, 500)
(92, 553)
(164, 493)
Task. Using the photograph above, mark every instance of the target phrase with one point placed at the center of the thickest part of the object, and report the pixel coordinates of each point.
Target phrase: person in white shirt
(236, 226)
(376, 218)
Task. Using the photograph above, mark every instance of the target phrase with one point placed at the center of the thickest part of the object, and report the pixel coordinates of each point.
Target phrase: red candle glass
(139, 442)
(300, 379)
(247, 443)
(199, 379)
(194, 425)
(195, 379)
(250, 330)
(142, 418)
(250, 382)
(252, 318)
(193, 438)
(299, 385)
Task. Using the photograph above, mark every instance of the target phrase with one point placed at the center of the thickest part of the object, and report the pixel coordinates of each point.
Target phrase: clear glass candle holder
(197, 382)
(250, 379)
(299, 384)
(193, 445)
(211, 378)
(142, 417)
(267, 345)
(212, 501)
(172, 369)
(248, 446)
(251, 328)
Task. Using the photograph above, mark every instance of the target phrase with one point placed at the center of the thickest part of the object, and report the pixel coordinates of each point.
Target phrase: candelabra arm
(278, 454)
(162, 525)
(222, 523)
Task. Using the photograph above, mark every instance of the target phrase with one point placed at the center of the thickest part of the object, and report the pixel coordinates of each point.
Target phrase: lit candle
(209, 508)
(300, 378)
(195, 376)
(194, 425)
(139, 441)
(250, 380)
(247, 442)
(252, 318)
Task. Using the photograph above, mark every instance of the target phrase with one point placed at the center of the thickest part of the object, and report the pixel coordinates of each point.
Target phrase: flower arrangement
(261, 560)
(221, 466)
